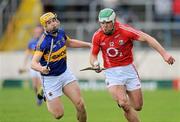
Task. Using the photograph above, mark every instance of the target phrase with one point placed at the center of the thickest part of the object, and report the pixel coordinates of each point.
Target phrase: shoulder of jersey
(61, 30)
(126, 27)
(31, 41)
(98, 32)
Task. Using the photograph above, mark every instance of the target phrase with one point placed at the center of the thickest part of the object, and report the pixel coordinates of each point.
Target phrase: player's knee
(80, 105)
(124, 105)
(58, 115)
(138, 107)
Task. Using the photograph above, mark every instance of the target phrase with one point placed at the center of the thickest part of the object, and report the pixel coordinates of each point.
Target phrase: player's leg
(72, 91)
(55, 107)
(136, 99)
(134, 92)
(36, 84)
(133, 86)
(52, 87)
(118, 93)
(36, 81)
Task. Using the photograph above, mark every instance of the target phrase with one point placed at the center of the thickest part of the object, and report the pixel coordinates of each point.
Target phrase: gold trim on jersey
(56, 56)
(37, 52)
(31, 51)
(68, 38)
(40, 40)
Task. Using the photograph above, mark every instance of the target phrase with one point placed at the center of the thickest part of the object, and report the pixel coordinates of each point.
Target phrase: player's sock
(39, 101)
(40, 94)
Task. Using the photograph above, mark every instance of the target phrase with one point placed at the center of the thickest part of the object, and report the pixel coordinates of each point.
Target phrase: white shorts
(53, 85)
(123, 75)
(34, 74)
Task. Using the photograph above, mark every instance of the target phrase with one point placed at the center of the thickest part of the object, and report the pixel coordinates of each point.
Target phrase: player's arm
(35, 64)
(77, 43)
(28, 54)
(94, 51)
(157, 46)
(94, 54)
(25, 61)
(94, 60)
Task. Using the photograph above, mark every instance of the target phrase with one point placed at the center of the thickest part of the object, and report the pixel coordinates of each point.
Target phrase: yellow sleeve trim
(38, 53)
(41, 39)
(68, 39)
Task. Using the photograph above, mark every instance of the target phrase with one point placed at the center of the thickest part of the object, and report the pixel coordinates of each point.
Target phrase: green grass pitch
(18, 105)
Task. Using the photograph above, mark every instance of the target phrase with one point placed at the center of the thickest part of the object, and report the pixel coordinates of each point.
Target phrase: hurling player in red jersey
(115, 40)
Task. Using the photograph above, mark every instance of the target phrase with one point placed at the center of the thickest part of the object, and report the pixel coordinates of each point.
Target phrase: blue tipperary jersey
(57, 63)
(32, 45)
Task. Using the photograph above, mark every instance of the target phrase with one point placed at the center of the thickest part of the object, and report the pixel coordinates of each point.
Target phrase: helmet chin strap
(53, 31)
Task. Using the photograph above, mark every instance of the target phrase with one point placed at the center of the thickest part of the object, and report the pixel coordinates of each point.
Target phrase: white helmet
(107, 15)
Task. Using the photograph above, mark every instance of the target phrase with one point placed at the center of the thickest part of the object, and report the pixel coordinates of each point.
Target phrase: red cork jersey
(116, 48)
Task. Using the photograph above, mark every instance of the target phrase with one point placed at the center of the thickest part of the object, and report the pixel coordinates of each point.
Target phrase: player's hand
(22, 70)
(96, 66)
(98, 70)
(169, 59)
(45, 70)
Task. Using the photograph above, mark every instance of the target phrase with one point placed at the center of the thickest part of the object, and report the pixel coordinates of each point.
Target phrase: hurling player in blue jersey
(50, 60)
(35, 76)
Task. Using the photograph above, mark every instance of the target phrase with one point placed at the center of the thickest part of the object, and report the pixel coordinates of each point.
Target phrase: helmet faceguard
(107, 15)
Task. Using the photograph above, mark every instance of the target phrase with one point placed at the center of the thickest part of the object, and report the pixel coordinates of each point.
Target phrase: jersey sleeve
(67, 38)
(95, 45)
(41, 45)
(132, 33)
(29, 46)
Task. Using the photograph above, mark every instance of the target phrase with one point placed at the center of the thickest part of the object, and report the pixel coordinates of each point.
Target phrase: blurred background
(159, 18)
(161, 82)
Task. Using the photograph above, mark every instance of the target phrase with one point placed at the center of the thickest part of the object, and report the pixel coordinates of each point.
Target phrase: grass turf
(18, 105)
